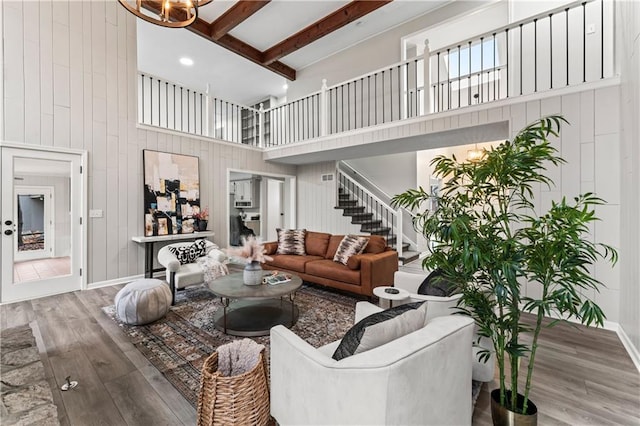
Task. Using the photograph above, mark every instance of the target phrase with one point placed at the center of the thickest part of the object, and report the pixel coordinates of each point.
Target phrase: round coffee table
(253, 310)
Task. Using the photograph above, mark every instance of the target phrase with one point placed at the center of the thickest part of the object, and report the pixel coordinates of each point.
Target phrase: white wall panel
(82, 80)
(628, 53)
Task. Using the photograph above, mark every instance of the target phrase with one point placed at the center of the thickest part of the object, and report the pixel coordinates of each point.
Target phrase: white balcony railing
(567, 46)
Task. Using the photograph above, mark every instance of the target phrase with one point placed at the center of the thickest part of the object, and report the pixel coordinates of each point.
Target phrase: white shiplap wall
(317, 199)
(628, 20)
(70, 81)
(591, 146)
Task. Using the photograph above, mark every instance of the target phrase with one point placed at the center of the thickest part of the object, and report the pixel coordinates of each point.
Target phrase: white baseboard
(628, 345)
(116, 281)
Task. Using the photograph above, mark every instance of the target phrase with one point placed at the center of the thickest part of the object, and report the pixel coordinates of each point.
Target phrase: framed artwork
(171, 192)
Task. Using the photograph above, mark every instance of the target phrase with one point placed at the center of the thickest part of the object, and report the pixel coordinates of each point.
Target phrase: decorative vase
(502, 416)
(252, 274)
(202, 225)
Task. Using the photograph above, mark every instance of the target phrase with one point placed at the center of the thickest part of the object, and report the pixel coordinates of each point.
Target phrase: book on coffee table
(277, 279)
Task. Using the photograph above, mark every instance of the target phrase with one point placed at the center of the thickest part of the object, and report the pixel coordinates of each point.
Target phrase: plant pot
(201, 225)
(502, 416)
(252, 274)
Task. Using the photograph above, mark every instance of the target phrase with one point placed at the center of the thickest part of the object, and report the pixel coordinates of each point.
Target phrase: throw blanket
(212, 268)
(238, 357)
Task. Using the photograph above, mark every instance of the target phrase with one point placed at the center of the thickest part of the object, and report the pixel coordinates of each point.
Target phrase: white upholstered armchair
(438, 306)
(421, 378)
(184, 275)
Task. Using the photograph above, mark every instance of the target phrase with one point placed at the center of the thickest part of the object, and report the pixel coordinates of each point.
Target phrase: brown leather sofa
(374, 267)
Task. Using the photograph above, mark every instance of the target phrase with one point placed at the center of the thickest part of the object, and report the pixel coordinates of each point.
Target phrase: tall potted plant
(487, 238)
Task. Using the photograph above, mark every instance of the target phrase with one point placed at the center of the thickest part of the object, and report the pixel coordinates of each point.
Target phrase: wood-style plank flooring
(582, 376)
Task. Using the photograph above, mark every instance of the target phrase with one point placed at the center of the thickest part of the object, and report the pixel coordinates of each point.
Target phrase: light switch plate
(95, 213)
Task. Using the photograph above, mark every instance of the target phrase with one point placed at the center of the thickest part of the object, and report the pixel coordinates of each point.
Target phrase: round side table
(390, 297)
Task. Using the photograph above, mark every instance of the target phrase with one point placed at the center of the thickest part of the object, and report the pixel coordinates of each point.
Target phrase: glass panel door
(41, 226)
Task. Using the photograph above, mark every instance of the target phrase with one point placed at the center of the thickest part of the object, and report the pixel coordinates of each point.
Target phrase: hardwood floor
(582, 376)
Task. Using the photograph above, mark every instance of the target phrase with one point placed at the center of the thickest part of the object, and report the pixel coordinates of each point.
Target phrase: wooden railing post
(324, 109)
(261, 126)
(426, 107)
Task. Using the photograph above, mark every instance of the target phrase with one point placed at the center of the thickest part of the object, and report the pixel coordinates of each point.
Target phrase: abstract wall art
(171, 192)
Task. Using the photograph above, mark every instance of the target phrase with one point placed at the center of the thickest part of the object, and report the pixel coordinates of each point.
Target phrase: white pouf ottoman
(143, 301)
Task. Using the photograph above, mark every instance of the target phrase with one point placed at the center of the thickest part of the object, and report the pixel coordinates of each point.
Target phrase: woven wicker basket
(235, 400)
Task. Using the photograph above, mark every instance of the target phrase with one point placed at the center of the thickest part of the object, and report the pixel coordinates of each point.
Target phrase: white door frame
(288, 197)
(78, 158)
(48, 220)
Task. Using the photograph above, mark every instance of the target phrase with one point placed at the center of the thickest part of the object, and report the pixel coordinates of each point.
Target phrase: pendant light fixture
(166, 13)
(475, 155)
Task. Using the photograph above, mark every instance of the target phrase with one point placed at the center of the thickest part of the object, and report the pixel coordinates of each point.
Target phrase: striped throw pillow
(350, 246)
(291, 241)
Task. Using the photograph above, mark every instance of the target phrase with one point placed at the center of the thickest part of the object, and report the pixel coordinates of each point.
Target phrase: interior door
(275, 208)
(32, 216)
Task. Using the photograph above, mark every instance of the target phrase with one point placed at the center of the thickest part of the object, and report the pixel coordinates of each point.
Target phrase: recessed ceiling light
(186, 61)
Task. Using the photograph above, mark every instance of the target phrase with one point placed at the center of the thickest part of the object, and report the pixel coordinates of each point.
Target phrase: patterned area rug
(25, 393)
(178, 344)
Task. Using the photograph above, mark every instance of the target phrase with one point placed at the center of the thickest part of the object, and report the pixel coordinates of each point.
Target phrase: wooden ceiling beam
(238, 13)
(338, 19)
(204, 29)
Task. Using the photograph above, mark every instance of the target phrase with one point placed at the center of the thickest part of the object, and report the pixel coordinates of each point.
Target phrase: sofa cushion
(380, 328)
(350, 246)
(189, 254)
(436, 284)
(377, 244)
(316, 243)
(333, 271)
(270, 248)
(292, 262)
(354, 262)
(334, 242)
(291, 241)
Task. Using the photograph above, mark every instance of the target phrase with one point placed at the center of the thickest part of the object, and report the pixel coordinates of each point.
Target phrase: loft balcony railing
(563, 47)
(171, 106)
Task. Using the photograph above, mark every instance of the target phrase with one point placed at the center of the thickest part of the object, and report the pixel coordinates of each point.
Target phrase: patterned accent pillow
(291, 241)
(380, 328)
(350, 246)
(189, 254)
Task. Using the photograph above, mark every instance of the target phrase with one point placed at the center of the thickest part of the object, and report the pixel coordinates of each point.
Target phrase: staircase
(373, 218)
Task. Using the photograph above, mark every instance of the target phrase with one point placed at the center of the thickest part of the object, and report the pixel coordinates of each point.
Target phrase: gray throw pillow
(436, 284)
(380, 328)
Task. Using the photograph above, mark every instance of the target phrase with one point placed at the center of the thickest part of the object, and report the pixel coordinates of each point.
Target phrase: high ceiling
(246, 49)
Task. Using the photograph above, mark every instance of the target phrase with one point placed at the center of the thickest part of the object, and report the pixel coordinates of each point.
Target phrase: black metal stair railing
(366, 210)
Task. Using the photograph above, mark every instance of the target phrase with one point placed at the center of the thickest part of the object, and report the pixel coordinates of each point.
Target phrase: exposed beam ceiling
(338, 19)
(218, 30)
(234, 16)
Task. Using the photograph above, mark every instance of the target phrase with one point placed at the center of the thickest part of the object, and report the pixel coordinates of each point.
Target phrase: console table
(149, 241)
